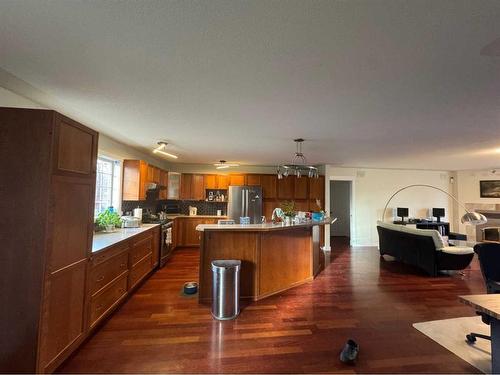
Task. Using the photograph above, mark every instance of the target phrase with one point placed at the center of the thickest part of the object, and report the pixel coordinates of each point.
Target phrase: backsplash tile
(204, 208)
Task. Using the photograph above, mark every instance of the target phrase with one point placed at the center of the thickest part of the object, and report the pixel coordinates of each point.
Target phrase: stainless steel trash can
(226, 289)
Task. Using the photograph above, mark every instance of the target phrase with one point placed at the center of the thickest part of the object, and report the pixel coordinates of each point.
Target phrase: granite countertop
(260, 227)
(175, 216)
(102, 240)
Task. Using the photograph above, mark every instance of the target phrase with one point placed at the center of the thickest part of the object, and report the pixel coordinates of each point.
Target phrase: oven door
(166, 244)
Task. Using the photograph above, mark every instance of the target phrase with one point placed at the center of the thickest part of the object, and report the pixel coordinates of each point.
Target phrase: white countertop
(103, 240)
(259, 227)
(172, 217)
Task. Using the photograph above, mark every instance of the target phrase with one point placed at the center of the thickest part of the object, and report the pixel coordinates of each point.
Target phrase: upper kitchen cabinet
(317, 188)
(236, 180)
(301, 187)
(174, 185)
(60, 155)
(269, 184)
(192, 186)
(198, 187)
(163, 194)
(186, 182)
(216, 181)
(222, 182)
(210, 181)
(253, 180)
(286, 187)
(136, 175)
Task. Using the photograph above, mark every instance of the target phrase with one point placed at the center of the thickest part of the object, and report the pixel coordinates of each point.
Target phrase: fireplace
(490, 230)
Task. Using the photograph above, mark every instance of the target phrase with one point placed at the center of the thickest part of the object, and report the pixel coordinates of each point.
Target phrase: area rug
(450, 333)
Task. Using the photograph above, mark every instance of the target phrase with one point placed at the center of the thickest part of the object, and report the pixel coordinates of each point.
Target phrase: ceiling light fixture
(159, 150)
(298, 167)
(222, 164)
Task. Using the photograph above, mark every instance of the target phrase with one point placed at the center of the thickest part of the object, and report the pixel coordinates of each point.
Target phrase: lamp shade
(474, 218)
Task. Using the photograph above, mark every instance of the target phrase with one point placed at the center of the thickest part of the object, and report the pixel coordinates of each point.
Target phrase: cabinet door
(163, 185)
(198, 187)
(236, 180)
(222, 182)
(210, 181)
(191, 235)
(300, 187)
(302, 205)
(151, 173)
(286, 188)
(253, 179)
(63, 314)
(186, 183)
(174, 184)
(317, 188)
(75, 147)
(156, 175)
(268, 183)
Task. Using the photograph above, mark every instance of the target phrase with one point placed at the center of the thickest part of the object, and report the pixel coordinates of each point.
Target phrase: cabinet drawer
(140, 249)
(140, 270)
(102, 302)
(107, 271)
(141, 237)
(104, 255)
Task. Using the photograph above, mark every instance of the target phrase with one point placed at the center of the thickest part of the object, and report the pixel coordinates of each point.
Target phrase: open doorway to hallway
(340, 207)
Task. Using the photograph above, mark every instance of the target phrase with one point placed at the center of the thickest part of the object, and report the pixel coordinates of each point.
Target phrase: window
(107, 189)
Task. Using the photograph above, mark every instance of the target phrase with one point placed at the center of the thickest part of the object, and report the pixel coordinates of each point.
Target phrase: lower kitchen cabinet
(186, 233)
(117, 270)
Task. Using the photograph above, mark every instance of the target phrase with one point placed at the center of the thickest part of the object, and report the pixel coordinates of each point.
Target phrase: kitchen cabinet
(236, 179)
(192, 186)
(174, 185)
(269, 184)
(253, 179)
(317, 192)
(60, 155)
(301, 205)
(222, 182)
(134, 180)
(300, 187)
(136, 176)
(286, 188)
(187, 235)
(163, 194)
(268, 207)
(186, 182)
(198, 187)
(210, 181)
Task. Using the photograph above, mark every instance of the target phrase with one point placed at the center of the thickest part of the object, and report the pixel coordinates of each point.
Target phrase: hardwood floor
(357, 296)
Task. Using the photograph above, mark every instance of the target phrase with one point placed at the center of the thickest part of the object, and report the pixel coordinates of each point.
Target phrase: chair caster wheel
(470, 339)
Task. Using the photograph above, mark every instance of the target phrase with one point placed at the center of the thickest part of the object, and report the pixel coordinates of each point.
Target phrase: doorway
(340, 207)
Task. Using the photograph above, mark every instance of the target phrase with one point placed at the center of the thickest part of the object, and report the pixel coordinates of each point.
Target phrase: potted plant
(288, 208)
(108, 220)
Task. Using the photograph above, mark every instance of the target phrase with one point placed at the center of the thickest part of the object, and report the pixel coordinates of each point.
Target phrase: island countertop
(103, 240)
(259, 227)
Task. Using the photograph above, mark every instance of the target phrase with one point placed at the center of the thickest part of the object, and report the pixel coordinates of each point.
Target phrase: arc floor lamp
(474, 218)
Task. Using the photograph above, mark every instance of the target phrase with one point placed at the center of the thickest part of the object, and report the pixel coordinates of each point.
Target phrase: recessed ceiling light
(222, 164)
(160, 150)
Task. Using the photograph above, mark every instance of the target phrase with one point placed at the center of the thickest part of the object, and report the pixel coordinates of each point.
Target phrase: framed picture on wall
(490, 189)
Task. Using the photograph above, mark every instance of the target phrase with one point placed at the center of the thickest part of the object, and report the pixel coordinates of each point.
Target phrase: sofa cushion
(434, 234)
(457, 250)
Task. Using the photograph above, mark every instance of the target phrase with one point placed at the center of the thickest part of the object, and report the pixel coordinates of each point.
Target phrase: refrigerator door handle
(246, 202)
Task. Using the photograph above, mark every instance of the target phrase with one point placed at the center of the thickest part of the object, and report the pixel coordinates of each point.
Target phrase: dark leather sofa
(423, 248)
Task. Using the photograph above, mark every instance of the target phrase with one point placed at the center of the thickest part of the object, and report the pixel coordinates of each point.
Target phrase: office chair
(489, 261)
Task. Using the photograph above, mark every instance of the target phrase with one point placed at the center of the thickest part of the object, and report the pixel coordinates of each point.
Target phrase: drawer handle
(99, 307)
(101, 257)
(123, 265)
(101, 278)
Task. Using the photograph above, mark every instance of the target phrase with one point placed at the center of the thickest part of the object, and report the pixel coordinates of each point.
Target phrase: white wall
(373, 187)
(9, 99)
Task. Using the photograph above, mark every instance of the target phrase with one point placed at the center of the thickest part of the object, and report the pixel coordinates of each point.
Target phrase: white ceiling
(374, 83)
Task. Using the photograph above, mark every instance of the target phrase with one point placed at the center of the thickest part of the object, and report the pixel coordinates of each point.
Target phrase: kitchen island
(274, 257)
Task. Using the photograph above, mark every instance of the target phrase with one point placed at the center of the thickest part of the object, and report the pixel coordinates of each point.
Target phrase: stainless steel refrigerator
(245, 201)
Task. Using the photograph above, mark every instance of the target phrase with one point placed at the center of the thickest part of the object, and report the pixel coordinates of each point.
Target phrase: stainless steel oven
(165, 242)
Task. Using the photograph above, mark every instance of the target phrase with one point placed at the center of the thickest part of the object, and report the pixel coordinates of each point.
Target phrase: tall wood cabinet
(49, 165)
